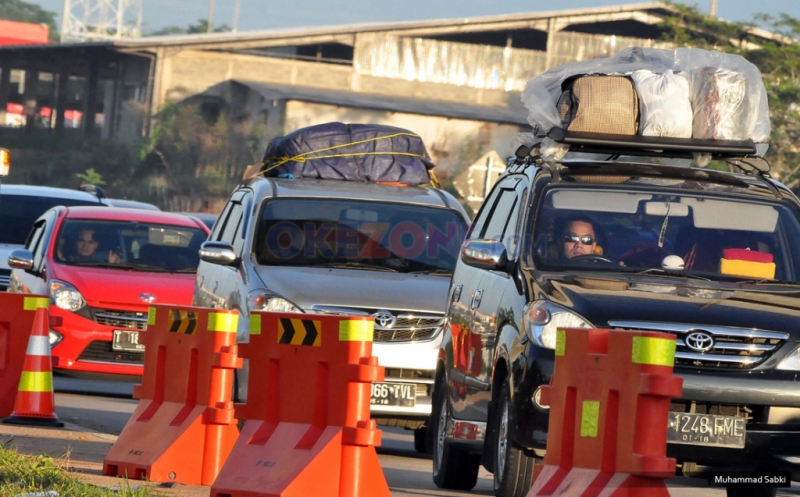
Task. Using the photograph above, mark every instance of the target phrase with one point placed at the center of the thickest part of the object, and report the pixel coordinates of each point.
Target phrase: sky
(273, 14)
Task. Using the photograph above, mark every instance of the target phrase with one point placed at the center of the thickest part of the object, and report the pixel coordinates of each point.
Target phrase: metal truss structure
(91, 20)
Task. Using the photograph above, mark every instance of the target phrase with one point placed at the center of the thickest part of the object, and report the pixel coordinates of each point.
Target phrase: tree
(17, 10)
(777, 59)
(201, 26)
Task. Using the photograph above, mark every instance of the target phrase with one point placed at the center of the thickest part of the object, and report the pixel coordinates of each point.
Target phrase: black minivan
(712, 256)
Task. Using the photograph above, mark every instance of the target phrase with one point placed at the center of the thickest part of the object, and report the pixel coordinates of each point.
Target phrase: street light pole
(210, 15)
(236, 15)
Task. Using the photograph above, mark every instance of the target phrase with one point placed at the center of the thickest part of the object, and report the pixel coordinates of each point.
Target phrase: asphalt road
(106, 406)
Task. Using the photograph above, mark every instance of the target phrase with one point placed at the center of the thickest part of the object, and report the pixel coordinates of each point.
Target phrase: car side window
(232, 225)
(501, 214)
(488, 207)
(36, 242)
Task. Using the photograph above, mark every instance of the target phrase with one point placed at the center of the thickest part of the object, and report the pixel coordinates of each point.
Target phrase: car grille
(101, 351)
(5, 277)
(422, 378)
(733, 348)
(408, 327)
(121, 319)
(751, 414)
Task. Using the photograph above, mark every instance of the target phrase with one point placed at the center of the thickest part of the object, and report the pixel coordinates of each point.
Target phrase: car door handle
(476, 299)
(457, 293)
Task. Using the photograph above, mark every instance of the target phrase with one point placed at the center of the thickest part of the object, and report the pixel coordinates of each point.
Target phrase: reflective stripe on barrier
(16, 322)
(184, 427)
(609, 402)
(307, 427)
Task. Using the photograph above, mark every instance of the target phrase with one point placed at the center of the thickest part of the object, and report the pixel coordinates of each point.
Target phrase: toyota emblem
(384, 319)
(147, 297)
(699, 341)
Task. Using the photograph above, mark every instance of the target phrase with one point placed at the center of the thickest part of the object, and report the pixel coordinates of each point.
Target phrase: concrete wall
(186, 73)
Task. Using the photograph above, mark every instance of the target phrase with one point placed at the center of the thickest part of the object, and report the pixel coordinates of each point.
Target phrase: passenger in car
(85, 249)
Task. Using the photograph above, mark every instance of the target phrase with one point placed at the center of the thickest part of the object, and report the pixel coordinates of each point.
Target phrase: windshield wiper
(359, 265)
(665, 272)
(443, 272)
(767, 281)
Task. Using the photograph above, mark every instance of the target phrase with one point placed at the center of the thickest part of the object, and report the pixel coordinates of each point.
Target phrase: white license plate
(394, 394)
(126, 341)
(706, 429)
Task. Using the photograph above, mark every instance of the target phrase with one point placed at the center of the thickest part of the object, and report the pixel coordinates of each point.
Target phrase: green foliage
(17, 10)
(20, 474)
(779, 63)
(201, 26)
(92, 177)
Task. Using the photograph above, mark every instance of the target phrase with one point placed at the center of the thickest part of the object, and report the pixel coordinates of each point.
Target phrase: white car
(20, 205)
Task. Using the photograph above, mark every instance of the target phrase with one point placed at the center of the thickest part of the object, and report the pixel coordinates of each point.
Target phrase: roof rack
(651, 146)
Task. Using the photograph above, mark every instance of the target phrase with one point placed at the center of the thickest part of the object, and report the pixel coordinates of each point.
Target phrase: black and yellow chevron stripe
(184, 322)
(300, 332)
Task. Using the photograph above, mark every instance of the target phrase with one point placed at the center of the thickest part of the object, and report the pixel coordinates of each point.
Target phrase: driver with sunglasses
(579, 238)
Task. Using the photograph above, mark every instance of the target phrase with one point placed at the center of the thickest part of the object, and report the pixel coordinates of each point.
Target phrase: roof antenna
(94, 190)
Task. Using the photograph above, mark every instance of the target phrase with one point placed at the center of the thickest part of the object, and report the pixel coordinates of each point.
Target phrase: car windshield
(357, 234)
(714, 237)
(19, 212)
(129, 245)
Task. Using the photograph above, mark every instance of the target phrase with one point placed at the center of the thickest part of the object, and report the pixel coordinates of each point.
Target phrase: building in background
(23, 33)
(457, 82)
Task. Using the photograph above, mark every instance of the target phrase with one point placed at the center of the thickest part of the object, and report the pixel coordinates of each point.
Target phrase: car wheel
(744, 491)
(420, 434)
(453, 468)
(513, 468)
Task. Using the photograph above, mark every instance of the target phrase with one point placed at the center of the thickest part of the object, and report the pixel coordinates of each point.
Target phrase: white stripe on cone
(38, 345)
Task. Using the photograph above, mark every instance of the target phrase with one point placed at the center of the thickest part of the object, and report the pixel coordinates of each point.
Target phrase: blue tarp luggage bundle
(351, 152)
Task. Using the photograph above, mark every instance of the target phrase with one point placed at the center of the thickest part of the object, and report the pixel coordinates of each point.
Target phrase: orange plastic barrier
(35, 402)
(16, 323)
(609, 404)
(307, 429)
(183, 428)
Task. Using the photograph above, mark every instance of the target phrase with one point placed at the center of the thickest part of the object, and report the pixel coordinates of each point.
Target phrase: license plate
(394, 394)
(127, 341)
(706, 429)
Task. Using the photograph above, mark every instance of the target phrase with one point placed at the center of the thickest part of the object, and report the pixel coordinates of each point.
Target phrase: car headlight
(541, 319)
(55, 338)
(260, 301)
(66, 296)
(791, 362)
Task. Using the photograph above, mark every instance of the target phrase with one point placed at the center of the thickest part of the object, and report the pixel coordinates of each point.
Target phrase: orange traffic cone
(35, 403)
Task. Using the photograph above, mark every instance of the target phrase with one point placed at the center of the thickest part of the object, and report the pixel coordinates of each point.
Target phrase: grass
(21, 474)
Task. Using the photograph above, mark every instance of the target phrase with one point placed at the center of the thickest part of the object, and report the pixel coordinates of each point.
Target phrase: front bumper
(86, 348)
(408, 362)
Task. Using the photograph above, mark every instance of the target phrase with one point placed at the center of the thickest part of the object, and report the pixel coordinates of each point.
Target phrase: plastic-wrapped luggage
(599, 104)
(726, 94)
(351, 152)
(664, 103)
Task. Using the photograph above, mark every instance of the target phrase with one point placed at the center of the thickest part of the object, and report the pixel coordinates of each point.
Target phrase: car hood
(604, 299)
(101, 286)
(305, 287)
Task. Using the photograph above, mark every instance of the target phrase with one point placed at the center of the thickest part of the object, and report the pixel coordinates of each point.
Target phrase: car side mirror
(485, 254)
(218, 253)
(21, 259)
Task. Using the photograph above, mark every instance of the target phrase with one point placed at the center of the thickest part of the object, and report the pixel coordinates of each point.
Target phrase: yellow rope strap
(302, 157)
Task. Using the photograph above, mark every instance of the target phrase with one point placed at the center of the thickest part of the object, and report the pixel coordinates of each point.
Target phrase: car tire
(745, 491)
(420, 434)
(513, 468)
(453, 468)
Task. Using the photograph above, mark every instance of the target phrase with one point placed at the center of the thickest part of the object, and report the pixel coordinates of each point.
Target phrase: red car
(102, 268)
